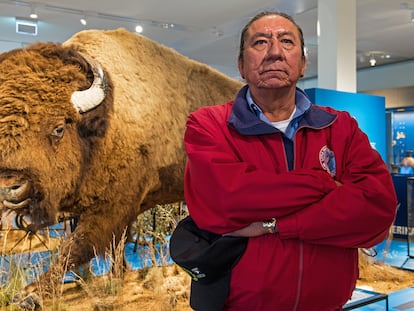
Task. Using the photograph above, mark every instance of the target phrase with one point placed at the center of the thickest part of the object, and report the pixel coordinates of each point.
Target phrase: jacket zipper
(300, 264)
(298, 292)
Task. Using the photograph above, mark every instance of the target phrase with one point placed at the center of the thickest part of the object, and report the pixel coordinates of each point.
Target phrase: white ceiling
(208, 31)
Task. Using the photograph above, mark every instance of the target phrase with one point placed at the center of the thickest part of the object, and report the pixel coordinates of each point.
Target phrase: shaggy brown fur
(109, 164)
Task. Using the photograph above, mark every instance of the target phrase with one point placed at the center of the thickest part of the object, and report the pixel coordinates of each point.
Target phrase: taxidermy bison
(93, 127)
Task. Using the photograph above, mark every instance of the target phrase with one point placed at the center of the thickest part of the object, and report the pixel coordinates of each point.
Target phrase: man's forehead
(272, 25)
(273, 33)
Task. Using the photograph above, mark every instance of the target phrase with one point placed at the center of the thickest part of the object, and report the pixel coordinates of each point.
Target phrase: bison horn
(88, 99)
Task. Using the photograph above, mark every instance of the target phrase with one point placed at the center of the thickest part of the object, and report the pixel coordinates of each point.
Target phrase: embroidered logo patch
(327, 160)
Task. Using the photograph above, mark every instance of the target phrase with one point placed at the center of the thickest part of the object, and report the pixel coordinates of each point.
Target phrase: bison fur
(106, 165)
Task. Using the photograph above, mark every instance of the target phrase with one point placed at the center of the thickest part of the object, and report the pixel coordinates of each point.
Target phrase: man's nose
(274, 47)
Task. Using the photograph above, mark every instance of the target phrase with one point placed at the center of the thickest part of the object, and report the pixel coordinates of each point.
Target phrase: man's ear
(240, 66)
(304, 64)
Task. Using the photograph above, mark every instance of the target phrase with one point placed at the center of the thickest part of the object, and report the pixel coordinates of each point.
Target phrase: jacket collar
(245, 121)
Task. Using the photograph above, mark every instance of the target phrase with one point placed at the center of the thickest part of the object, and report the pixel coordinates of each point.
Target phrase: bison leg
(29, 302)
(93, 236)
(47, 285)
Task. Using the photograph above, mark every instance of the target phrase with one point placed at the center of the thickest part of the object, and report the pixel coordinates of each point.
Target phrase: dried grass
(158, 285)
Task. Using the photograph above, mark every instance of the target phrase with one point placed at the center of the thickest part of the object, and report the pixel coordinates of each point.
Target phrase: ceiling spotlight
(139, 29)
(83, 21)
(167, 25)
(33, 14)
(163, 25)
(372, 61)
(412, 16)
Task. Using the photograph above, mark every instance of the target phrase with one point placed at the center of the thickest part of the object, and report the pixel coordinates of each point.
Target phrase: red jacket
(238, 173)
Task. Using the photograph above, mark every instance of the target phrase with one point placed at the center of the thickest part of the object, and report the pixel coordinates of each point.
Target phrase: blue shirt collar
(245, 121)
(302, 104)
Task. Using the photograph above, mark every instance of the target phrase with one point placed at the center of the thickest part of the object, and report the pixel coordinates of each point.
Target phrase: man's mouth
(272, 71)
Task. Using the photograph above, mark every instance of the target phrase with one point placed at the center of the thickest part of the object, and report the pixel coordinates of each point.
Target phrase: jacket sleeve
(224, 193)
(360, 212)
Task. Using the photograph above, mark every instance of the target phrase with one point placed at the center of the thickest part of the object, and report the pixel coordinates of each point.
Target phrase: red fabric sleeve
(357, 214)
(224, 193)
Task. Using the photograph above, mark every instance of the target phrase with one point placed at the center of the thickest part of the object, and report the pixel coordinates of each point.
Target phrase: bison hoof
(27, 302)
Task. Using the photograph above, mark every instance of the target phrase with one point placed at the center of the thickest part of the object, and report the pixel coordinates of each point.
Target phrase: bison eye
(58, 132)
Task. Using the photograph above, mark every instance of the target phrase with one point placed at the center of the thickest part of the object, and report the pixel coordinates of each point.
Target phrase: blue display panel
(400, 228)
(368, 110)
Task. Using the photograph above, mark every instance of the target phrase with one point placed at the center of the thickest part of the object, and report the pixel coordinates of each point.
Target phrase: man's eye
(286, 41)
(260, 42)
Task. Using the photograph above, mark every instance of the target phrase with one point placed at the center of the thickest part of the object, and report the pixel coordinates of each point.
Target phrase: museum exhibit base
(362, 297)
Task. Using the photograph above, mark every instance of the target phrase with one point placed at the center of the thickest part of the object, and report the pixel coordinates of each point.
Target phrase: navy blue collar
(244, 120)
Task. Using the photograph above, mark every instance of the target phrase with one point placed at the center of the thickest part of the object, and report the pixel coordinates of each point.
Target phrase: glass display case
(400, 140)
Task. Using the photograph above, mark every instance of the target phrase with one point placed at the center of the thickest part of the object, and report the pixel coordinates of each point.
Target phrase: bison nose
(14, 190)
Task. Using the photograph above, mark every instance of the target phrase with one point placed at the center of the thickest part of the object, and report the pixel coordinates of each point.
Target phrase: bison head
(53, 111)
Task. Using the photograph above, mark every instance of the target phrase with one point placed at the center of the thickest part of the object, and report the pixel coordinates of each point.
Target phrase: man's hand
(252, 230)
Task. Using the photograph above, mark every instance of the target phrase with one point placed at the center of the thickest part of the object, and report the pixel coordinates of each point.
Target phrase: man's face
(272, 56)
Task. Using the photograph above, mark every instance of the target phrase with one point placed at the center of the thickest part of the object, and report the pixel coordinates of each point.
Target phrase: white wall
(386, 77)
(9, 45)
(381, 77)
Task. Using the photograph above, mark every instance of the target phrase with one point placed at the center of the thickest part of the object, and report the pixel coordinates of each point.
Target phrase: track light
(83, 21)
(139, 29)
(375, 58)
(33, 14)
